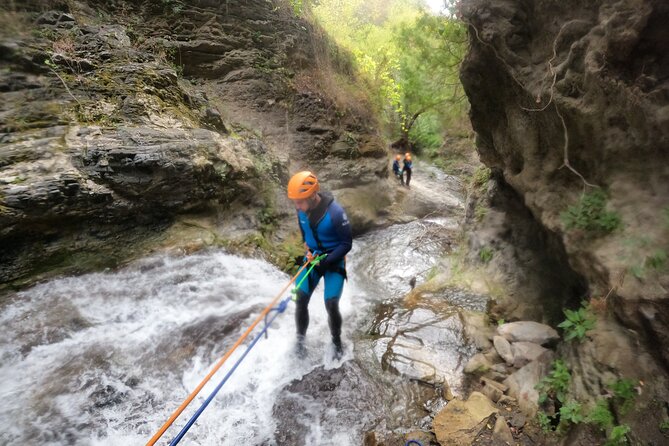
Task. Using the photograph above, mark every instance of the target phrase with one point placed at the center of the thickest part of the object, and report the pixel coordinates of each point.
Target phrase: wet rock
(522, 383)
(425, 438)
(324, 397)
(528, 331)
(107, 396)
(422, 344)
(503, 348)
(459, 422)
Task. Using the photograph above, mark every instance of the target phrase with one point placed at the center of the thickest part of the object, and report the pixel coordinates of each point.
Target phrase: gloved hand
(311, 256)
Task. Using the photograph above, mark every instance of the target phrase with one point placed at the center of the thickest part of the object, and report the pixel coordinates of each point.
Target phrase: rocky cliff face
(570, 102)
(117, 116)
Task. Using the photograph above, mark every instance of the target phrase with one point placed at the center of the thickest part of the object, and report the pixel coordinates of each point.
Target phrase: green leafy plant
(601, 415)
(486, 254)
(571, 412)
(624, 393)
(618, 435)
(556, 383)
(545, 421)
(408, 60)
(578, 323)
(590, 214)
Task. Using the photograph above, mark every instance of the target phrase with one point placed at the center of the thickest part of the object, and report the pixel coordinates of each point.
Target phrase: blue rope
(279, 309)
(413, 442)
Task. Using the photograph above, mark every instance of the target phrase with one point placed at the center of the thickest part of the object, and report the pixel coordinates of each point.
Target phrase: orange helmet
(408, 157)
(302, 185)
(408, 154)
(398, 157)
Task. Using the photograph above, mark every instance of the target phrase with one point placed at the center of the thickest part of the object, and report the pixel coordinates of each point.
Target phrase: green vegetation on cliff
(408, 59)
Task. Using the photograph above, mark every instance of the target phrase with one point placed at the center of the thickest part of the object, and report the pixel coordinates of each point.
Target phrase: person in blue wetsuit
(408, 167)
(396, 169)
(325, 229)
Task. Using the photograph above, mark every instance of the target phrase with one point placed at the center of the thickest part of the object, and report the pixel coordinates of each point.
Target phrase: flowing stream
(104, 358)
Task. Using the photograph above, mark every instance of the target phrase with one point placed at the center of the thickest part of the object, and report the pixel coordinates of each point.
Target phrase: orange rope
(218, 365)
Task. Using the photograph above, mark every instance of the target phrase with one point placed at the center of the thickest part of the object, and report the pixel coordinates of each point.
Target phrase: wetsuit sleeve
(343, 230)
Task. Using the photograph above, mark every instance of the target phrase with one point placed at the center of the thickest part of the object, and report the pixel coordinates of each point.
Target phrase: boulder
(528, 331)
(524, 352)
(523, 382)
(503, 348)
(460, 421)
(501, 433)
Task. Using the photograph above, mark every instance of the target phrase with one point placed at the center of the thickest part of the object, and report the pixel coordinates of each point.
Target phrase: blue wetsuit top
(396, 166)
(408, 165)
(326, 229)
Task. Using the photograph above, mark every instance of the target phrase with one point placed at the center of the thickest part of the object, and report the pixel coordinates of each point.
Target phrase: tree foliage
(408, 57)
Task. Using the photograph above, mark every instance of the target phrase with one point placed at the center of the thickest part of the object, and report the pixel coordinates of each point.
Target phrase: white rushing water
(103, 359)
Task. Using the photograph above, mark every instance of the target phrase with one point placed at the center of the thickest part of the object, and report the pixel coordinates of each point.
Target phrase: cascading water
(104, 359)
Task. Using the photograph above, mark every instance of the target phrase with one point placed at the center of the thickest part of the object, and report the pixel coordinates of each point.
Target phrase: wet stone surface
(421, 344)
(346, 396)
